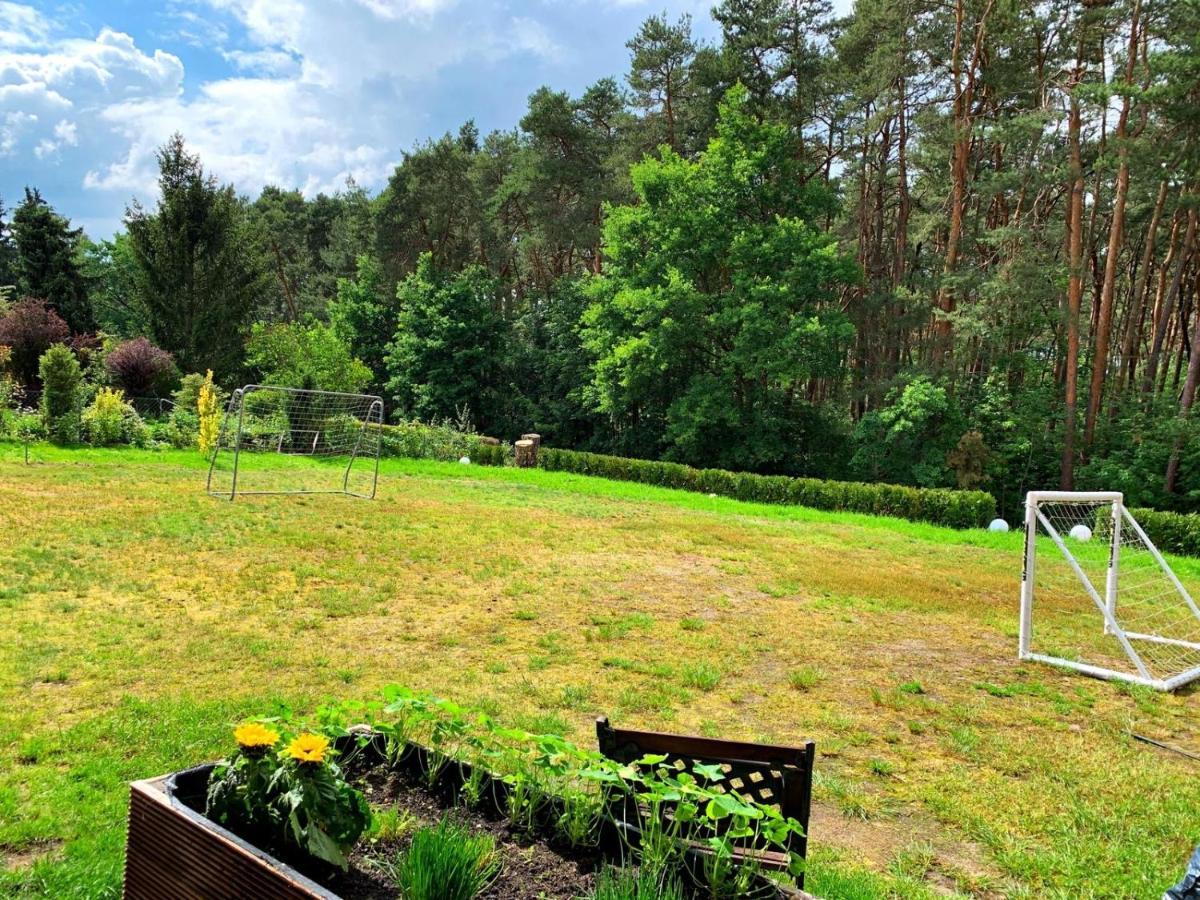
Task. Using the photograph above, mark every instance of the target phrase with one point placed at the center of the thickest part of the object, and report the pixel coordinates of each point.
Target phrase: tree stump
(526, 453)
(536, 438)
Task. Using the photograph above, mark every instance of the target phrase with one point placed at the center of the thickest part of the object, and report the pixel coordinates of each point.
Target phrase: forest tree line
(933, 243)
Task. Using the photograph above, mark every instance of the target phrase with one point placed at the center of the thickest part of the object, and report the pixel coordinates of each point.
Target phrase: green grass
(142, 618)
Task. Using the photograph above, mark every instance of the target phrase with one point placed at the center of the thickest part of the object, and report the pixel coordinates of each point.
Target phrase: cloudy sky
(298, 93)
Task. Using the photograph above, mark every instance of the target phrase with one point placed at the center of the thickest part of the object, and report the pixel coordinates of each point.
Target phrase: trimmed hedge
(957, 509)
(1171, 532)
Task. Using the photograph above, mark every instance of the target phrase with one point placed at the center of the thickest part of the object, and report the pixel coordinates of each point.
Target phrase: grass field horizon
(142, 617)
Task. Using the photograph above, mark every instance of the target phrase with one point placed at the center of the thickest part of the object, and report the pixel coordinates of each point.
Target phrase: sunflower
(308, 748)
(255, 739)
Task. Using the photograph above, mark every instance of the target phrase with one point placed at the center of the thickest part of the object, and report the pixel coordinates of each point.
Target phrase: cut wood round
(526, 453)
(489, 441)
(536, 438)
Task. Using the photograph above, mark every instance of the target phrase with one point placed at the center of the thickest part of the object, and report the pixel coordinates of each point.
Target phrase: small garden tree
(140, 368)
(29, 328)
(62, 379)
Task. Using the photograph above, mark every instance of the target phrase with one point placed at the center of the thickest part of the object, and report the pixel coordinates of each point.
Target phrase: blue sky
(302, 93)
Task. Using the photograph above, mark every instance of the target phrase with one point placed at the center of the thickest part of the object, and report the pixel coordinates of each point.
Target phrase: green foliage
(197, 276)
(446, 862)
(549, 779)
(363, 315)
(443, 440)
(910, 438)
(715, 308)
(47, 266)
(635, 884)
(110, 270)
(1171, 532)
(292, 792)
(309, 356)
(109, 420)
(62, 382)
(958, 509)
(446, 356)
(187, 397)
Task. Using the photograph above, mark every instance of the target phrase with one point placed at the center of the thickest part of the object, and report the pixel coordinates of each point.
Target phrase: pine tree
(198, 277)
(47, 261)
(660, 75)
(8, 255)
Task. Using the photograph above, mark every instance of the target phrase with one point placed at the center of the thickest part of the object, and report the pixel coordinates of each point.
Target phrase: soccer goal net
(276, 440)
(1098, 597)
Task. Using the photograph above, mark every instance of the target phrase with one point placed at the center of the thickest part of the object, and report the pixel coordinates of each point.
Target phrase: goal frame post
(237, 403)
(1106, 605)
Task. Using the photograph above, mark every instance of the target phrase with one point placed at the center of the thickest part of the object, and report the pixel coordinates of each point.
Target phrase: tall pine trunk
(1116, 236)
(1074, 289)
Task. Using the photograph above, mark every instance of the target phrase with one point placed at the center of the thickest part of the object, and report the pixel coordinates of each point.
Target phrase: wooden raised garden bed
(175, 851)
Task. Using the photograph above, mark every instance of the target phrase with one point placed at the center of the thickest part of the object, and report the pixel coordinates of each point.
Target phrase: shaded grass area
(141, 617)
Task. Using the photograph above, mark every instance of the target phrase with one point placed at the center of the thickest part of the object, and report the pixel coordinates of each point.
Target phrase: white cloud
(265, 62)
(22, 26)
(52, 93)
(325, 95)
(66, 133)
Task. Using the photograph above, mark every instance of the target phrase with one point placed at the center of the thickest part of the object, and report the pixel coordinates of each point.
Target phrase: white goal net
(276, 440)
(1098, 597)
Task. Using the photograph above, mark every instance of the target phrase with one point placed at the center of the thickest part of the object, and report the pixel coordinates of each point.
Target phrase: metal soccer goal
(266, 427)
(1099, 598)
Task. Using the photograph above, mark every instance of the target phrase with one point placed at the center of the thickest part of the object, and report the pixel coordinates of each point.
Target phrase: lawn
(142, 617)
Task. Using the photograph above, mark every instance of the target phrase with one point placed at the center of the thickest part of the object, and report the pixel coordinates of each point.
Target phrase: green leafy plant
(109, 420)
(635, 884)
(62, 381)
(549, 781)
(292, 791)
(446, 862)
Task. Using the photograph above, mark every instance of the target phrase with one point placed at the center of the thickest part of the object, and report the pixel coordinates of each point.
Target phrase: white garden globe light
(997, 525)
(465, 460)
(1081, 533)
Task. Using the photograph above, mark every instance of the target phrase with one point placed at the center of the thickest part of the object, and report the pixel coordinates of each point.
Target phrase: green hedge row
(958, 509)
(1171, 532)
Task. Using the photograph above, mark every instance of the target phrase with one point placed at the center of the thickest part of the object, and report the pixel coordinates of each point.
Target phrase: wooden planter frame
(175, 851)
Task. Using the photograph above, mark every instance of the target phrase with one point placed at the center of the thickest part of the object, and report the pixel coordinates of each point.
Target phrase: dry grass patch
(547, 599)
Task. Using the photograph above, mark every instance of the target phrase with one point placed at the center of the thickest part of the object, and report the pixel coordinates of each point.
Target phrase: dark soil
(531, 867)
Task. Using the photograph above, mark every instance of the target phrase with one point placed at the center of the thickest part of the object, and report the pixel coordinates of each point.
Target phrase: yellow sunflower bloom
(308, 748)
(253, 736)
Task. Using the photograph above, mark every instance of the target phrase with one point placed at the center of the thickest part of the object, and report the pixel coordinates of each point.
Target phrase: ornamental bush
(957, 509)
(208, 411)
(109, 420)
(141, 369)
(29, 328)
(440, 441)
(62, 382)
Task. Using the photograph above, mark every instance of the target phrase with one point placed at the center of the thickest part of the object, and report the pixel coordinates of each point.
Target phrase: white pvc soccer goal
(1098, 597)
(264, 424)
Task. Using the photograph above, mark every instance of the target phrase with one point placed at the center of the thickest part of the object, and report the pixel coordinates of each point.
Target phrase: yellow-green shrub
(210, 414)
(109, 420)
